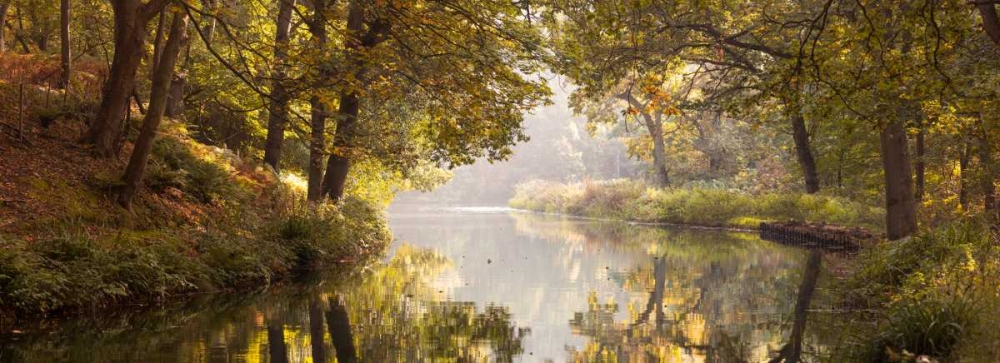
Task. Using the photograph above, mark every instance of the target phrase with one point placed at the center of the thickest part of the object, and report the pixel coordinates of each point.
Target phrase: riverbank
(933, 294)
(207, 221)
(635, 202)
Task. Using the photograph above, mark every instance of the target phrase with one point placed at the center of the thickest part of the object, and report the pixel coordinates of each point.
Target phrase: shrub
(631, 200)
(73, 270)
(933, 293)
(76, 270)
(175, 164)
(931, 327)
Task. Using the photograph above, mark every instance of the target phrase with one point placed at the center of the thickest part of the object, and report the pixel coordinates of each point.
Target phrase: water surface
(477, 285)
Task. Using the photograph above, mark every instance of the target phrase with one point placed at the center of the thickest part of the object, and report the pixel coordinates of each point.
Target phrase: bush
(177, 164)
(632, 200)
(933, 294)
(929, 327)
(77, 270)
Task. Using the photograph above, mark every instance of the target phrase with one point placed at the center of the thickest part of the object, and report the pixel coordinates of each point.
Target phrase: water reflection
(700, 296)
(482, 287)
(386, 315)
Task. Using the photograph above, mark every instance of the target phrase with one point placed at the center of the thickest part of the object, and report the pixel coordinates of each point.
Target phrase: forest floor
(207, 220)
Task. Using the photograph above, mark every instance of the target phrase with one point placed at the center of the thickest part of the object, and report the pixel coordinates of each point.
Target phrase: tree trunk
(316, 147)
(988, 12)
(921, 164)
(964, 154)
(157, 102)
(990, 206)
(64, 19)
(178, 86)
(279, 94)
(901, 212)
(804, 152)
(3, 27)
(339, 324)
(154, 62)
(339, 164)
(356, 42)
(209, 30)
(318, 111)
(131, 18)
(19, 34)
(175, 97)
(43, 44)
(659, 156)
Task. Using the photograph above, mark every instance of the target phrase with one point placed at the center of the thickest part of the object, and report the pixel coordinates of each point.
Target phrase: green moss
(74, 202)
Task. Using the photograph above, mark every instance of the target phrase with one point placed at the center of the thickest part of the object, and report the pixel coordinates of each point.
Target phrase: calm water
(478, 285)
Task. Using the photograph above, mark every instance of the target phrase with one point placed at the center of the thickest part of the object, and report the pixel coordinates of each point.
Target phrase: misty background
(559, 149)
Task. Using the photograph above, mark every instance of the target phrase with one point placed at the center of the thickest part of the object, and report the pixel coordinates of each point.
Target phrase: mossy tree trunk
(900, 204)
(157, 103)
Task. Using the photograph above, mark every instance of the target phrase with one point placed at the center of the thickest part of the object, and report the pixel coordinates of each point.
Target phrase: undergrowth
(634, 201)
(933, 295)
(208, 221)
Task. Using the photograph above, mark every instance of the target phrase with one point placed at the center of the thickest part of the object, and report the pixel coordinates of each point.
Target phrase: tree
(279, 97)
(991, 24)
(742, 58)
(649, 103)
(4, 8)
(803, 149)
(64, 16)
(445, 81)
(357, 41)
(318, 110)
(157, 104)
(131, 19)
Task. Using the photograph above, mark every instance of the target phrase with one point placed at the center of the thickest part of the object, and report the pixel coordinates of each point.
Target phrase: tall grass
(634, 201)
(933, 294)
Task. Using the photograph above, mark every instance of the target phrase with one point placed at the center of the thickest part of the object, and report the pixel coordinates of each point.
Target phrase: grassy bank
(934, 294)
(634, 201)
(207, 221)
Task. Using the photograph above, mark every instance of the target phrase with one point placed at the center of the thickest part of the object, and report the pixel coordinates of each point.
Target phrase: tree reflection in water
(792, 351)
(656, 295)
(390, 314)
(725, 301)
